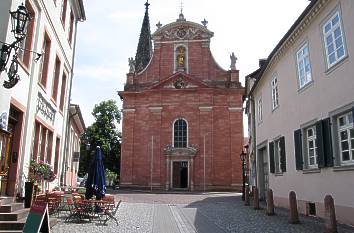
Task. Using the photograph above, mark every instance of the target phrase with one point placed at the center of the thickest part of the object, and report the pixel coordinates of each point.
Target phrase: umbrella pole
(152, 161)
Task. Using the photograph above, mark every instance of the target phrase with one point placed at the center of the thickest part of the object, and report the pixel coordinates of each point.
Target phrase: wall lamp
(19, 21)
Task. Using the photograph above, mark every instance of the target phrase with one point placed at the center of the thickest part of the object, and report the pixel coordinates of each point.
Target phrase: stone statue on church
(233, 59)
(131, 62)
(181, 57)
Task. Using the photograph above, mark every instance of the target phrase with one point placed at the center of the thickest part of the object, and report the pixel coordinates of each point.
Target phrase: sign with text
(38, 218)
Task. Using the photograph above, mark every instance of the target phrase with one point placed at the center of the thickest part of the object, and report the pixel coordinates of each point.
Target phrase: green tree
(104, 133)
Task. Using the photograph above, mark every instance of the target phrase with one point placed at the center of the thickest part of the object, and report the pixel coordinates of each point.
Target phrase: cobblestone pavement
(190, 213)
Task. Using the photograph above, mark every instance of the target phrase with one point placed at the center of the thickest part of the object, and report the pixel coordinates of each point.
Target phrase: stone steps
(11, 207)
(10, 231)
(12, 225)
(13, 216)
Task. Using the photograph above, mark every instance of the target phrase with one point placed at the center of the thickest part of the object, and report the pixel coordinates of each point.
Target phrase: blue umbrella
(96, 181)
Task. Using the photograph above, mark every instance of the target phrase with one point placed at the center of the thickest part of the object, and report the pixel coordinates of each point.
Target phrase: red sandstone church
(182, 113)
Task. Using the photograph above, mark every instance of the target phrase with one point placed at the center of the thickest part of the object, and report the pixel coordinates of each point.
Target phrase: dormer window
(180, 58)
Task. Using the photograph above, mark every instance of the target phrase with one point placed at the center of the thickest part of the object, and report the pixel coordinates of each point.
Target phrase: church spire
(144, 50)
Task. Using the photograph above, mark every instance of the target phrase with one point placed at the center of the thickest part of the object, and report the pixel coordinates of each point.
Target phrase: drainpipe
(66, 145)
(254, 147)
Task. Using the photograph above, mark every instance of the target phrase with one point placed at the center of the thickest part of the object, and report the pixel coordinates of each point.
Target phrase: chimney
(262, 62)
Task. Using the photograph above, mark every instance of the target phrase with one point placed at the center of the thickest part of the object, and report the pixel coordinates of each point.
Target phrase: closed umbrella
(96, 181)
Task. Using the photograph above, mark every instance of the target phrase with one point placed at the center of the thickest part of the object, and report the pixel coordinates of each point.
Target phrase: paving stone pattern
(191, 213)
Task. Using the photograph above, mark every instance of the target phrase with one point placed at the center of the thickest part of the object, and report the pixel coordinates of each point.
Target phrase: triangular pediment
(179, 80)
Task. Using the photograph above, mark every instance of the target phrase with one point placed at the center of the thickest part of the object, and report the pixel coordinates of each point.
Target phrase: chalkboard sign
(38, 218)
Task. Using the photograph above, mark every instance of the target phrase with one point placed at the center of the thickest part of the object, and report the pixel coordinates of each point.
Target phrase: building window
(64, 4)
(275, 95)
(259, 110)
(44, 62)
(277, 151)
(56, 159)
(303, 66)
(277, 156)
(42, 143)
(311, 147)
(346, 138)
(56, 79)
(71, 27)
(26, 44)
(50, 149)
(180, 133)
(333, 36)
(62, 93)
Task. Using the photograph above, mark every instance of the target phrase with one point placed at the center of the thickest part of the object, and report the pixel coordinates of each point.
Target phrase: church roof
(144, 50)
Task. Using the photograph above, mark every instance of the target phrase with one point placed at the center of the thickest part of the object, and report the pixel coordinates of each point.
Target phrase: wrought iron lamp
(19, 21)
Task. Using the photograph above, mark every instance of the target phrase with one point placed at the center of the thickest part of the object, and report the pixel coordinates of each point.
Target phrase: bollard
(247, 196)
(255, 199)
(294, 215)
(330, 215)
(270, 202)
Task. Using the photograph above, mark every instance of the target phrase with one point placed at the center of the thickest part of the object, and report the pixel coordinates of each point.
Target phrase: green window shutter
(327, 142)
(319, 145)
(271, 157)
(282, 154)
(298, 149)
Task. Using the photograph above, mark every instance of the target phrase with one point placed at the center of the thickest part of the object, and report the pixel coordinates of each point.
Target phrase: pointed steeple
(144, 51)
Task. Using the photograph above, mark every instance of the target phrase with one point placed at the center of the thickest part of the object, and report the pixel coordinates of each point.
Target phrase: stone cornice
(205, 108)
(128, 110)
(155, 109)
(191, 151)
(235, 109)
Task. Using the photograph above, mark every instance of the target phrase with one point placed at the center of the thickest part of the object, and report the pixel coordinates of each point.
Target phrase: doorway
(9, 163)
(263, 173)
(180, 175)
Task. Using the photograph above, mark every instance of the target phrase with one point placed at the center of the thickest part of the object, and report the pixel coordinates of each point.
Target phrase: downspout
(254, 147)
(66, 146)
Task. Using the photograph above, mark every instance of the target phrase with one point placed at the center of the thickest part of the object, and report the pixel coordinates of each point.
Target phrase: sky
(110, 34)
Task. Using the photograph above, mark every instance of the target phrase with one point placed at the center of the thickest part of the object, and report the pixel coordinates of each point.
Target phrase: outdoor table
(92, 207)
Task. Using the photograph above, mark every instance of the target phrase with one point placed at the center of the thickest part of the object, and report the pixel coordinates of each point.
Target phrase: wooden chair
(109, 213)
(76, 210)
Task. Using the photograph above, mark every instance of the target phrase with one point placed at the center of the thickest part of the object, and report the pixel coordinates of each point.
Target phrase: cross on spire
(181, 7)
(147, 4)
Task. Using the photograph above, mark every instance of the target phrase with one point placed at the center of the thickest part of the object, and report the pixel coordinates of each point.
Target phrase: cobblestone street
(173, 213)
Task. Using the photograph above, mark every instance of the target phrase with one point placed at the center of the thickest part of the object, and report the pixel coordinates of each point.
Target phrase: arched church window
(180, 133)
(181, 58)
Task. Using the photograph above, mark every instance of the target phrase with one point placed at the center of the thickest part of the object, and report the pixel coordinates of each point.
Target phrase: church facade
(182, 113)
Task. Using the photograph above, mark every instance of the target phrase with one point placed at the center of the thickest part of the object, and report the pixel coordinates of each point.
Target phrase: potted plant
(38, 172)
(29, 185)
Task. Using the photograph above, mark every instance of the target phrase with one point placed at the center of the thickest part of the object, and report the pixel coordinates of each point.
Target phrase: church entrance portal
(180, 175)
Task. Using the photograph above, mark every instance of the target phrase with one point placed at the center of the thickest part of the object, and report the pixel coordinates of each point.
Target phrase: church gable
(182, 31)
(179, 81)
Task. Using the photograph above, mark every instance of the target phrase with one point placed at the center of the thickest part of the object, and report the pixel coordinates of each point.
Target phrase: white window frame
(328, 30)
(347, 127)
(303, 66)
(275, 93)
(173, 132)
(259, 110)
(277, 151)
(312, 139)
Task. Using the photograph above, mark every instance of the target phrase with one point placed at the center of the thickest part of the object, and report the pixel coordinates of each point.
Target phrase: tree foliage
(104, 133)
